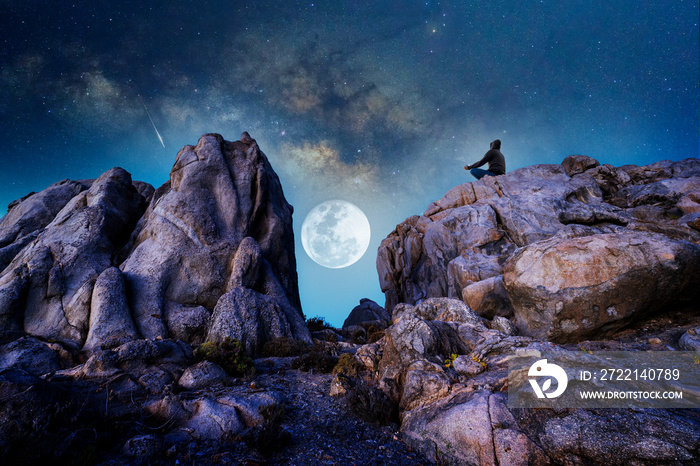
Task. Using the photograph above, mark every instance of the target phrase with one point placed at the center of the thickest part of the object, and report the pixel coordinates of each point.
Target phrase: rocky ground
(322, 429)
(305, 426)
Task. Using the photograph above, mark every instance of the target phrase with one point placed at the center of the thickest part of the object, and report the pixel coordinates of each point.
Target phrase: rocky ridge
(104, 262)
(570, 251)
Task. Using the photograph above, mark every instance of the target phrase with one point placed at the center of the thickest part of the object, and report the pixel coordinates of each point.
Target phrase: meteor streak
(149, 117)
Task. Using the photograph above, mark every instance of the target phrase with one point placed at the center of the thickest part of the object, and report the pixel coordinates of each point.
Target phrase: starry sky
(380, 103)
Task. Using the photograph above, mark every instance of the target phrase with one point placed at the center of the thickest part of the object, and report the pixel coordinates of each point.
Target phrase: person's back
(496, 161)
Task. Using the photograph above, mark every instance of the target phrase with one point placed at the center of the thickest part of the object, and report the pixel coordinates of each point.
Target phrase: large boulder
(110, 318)
(489, 296)
(576, 288)
(253, 318)
(368, 313)
(29, 355)
(471, 427)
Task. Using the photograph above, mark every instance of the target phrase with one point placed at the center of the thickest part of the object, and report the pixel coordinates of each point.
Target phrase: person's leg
(479, 173)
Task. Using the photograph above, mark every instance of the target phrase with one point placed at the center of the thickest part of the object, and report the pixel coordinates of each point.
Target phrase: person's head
(496, 144)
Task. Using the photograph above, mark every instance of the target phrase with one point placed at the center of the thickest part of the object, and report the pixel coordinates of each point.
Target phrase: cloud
(321, 168)
(334, 83)
(100, 98)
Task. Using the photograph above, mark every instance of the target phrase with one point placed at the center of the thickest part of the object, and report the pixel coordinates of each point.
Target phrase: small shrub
(317, 323)
(370, 403)
(267, 439)
(330, 337)
(358, 337)
(347, 365)
(283, 347)
(229, 354)
(317, 359)
(374, 334)
(274, 413)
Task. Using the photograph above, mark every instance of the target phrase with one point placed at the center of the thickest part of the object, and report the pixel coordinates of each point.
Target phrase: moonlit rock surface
(335, 234)
(571, 289)
(219, 193)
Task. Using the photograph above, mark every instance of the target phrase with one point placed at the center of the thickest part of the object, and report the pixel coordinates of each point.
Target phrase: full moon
(335, 234)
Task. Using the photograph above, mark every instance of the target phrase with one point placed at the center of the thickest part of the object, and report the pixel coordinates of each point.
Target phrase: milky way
(380, 102)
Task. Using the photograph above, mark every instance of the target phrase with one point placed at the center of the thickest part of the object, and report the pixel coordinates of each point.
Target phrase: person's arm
(479, 163)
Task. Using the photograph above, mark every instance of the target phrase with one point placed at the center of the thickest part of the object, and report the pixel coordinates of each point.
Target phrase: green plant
(229, 354)
(317, 323)
(450, 361)
(283, 347)
(347, 365)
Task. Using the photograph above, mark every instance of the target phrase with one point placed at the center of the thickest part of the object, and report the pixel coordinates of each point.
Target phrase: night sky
(380, 103)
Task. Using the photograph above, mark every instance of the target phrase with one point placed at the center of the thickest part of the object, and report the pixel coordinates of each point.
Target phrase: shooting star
(149, 117)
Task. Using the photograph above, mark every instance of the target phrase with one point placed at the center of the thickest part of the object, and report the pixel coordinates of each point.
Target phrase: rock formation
(99, 263)
(219, 224)
(551, 253)
(368, 313)
(46, 288)
(447, 369)
(105, 284)
(573, 251)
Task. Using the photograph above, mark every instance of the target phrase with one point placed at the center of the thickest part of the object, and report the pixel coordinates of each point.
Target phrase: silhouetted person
(496, 161)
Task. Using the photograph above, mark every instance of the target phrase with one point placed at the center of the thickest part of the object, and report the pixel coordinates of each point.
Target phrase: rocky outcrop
(571, 289)
(28, 216)
(572, 251)
(447, 369)
(510, 264)
(183, 254)
(105, 283)
(46, 289)
(99, 263)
